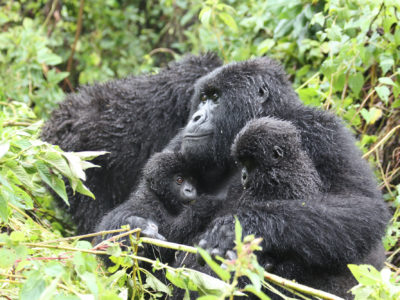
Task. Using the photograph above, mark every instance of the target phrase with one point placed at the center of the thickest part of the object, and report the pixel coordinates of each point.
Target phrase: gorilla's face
(267, 149)
(224, 101)
(167, 176)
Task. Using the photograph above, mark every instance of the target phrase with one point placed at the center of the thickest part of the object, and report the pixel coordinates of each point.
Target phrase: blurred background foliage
(341, 55)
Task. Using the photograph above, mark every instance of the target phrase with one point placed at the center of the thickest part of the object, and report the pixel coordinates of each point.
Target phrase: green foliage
(342, 55)
(375, 284)
(25, 59)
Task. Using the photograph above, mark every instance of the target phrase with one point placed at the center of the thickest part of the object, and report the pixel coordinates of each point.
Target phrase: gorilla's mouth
(197, 136)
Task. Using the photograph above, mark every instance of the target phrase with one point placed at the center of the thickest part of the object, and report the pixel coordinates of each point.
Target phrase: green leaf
(365, 274)
(386, 80)
(20, 173)
(383, 93)
(56, 160)
(238, 230)
(209, 297)
(386, 62)
(49, 58)
(318, 19)
(265, 46)
(256, 292)
(75, 165)
(17, 236)
(7, 258)
(89, 155)
(229, 21)
(222, 273)
(356, 82)
(204, 282)
(205, 15)
(52, 180)
(3, 208)
(156, 284)
(4, 149)
(82, 189)
(90, 281)
(371, 115)
(33, 287)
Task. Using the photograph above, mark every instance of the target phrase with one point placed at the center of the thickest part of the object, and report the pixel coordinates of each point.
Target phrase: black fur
(157, 206)
(279, 176)
(131, 118)
(343, 225)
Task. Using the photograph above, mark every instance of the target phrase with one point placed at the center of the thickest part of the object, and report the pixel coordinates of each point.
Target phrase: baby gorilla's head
(273, 161)
(167, 176)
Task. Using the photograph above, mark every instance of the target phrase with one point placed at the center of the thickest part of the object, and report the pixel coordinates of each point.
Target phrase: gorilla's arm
(328, 232)
(140, 211)
(193, 219)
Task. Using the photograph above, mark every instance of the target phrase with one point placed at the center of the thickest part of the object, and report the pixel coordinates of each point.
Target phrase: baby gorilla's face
(184, 188)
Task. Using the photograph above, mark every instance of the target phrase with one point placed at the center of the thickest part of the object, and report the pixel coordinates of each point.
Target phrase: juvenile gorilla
(115, 117)
(275, 167)
(276, 174)
(343, 225)
(167, 195)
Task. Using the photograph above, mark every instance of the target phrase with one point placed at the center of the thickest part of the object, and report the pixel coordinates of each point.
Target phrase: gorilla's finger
(203, 243)
(216, 252)
(231, 255)
(152, 233)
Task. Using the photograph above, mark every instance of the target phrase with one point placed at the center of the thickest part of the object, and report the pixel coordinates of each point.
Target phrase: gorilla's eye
(203, 98)
(245, 178)
(214, 97)
(278, 152)
(179, 180)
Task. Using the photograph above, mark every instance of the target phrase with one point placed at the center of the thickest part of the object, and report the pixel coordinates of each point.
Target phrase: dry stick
(299, 287)
(77, 34)
(11, 123)
(52, 9)
(382, 141)
(26, 216)
(85, 236)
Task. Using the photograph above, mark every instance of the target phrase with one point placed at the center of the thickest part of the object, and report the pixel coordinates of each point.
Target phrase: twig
(382, 141)
(85, 236)
(52, 9)
(376, 16)
(26, 216)
(162, 50)
(299, 287)
(169, 245)
(307, 82)
(11, 123)
(77, 34)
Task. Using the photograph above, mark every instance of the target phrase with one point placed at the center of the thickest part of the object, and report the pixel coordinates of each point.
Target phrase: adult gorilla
(343, 226)
(131, 118)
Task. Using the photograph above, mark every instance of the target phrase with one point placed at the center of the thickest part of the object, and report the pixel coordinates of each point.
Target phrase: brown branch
(10, 123)
(77, 34)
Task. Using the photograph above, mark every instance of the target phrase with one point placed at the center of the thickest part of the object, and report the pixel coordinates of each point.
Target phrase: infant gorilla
(167, 193)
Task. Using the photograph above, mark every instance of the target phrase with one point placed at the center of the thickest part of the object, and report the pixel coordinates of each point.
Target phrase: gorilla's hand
(220, 240)
(149, 227)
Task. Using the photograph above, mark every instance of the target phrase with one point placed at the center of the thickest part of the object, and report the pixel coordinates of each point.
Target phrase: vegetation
(342, 55)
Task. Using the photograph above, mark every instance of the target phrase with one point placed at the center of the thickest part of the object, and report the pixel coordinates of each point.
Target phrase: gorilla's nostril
(196, 118)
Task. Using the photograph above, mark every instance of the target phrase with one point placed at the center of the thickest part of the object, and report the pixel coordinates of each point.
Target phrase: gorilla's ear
(263, 91)
(278, 152)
